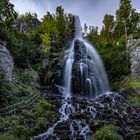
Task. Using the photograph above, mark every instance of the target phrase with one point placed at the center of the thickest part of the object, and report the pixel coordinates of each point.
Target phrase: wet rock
(108, 109)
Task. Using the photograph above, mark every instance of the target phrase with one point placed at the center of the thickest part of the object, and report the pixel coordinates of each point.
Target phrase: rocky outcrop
(134, 46)
(25, 26)
(84, 80)
(6, 60)
(111, 108)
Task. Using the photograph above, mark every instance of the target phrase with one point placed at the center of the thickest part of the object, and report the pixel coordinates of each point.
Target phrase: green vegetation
(30, 121)
(8, 136)
(47, 39)
(17, 90)
(107, 132)
(135, 100)
(135, 83)
(111, 40)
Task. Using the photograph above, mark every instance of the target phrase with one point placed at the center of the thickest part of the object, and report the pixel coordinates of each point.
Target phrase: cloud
(90, 11)
(22, 6)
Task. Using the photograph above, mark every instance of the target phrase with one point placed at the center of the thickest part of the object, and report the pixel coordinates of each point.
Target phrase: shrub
(135, 100)
(107, 132)
(18, 89)
(8, 136)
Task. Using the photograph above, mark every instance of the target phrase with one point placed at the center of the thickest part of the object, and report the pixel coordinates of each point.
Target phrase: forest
(31, 85)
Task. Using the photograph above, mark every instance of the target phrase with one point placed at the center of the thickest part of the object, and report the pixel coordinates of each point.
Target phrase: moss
(107, 132)
(135, 100)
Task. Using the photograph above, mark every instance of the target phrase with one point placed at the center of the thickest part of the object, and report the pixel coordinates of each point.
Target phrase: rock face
(6, 61)
(134, 46)
(25, 26)
(84, 81)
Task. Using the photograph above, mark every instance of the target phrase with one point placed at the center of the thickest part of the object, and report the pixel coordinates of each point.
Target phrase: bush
(8, 136)
(25, 76)
(17, 90)
(107, 132)
(135, 100)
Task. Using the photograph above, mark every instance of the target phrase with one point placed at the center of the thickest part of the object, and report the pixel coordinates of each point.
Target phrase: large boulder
(134, 46)
(6, 60)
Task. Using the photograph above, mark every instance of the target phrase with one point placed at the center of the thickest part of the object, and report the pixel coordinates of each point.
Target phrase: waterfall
(84, 72)
(69, 58)
(92, 80)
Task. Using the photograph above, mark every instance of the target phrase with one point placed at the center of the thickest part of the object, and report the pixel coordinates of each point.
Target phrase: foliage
(48, 78)
(134, 83)
(24, 76)
(108, 28)
(30, 121)
(7, 12)
(135, 100)
(8, 136)
(107, 132)
(111, 40)
(18, 89)
(54, 32)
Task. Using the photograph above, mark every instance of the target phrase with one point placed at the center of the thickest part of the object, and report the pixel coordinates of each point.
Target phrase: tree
(55, 32)
(93, 35)
(126, 19)
(49, 32)
(108, 27)
(7, 12)
(134, 21)
(85, 28)
(60, 20)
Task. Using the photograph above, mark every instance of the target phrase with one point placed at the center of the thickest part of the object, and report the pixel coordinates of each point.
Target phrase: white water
(67, 107)
(65, 111)
(69, 58)
(68, 71)
(98, 82)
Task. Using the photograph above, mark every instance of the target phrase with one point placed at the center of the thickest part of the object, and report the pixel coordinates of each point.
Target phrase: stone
(26, 26)
(83, 72)
(36, 78)
(45, 63)
(118, 111)
(6, 60)
(134, 47)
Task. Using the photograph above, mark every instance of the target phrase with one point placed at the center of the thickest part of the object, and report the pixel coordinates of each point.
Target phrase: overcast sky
(90, 11)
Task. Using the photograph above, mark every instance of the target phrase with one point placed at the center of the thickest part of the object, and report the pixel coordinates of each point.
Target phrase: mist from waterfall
(96, 81)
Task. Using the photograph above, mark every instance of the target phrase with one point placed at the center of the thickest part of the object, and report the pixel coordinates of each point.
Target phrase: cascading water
(69, 59)
(84, 73)
(83, 60)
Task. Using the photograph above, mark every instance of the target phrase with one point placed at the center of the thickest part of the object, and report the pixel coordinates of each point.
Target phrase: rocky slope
(91, 114)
